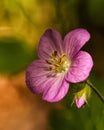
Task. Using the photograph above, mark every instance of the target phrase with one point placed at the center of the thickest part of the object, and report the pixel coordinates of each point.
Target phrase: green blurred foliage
(14, 55)
(90, 117)
(66, 15)
(96, 12)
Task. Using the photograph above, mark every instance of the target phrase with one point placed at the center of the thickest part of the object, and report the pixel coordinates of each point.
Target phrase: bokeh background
(22, 22)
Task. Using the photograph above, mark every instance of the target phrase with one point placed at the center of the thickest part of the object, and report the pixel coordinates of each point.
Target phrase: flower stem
(95, 90)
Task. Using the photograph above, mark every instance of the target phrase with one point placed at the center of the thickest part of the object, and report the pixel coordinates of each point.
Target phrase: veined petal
(37, 76)
(74, 41)
(49, 42)
(80, 67)
(40, 80)
(57, 90)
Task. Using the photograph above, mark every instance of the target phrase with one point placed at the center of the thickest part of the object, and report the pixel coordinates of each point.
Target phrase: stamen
(48, 61)
(50, 68)
(60, 64)
(57, 65)
(63, 55)
(52, 61)
(54, 54)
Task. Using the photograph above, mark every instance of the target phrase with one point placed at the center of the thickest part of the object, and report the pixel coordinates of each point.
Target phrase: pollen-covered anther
(50, 68)
(60, 63)
(47, 61)
(54, 54)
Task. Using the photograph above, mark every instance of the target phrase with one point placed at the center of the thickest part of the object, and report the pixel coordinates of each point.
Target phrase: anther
(50, 68)
(54, 54)
(63, 55)
(59, 64)
(48, 61)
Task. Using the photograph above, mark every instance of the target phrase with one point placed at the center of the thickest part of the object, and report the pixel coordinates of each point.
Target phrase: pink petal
(57, 90)
(80, 102)
(37, 76)
(40, 80)
(80, 67)
(74, 41)
(49, 42)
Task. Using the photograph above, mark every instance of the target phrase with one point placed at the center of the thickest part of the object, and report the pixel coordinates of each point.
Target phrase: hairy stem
(95, 90)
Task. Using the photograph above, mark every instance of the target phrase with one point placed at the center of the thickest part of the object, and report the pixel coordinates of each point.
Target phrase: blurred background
(22, 22)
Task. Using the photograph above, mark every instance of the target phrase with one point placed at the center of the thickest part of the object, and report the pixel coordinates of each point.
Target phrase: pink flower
(80, 101)
(60, 63)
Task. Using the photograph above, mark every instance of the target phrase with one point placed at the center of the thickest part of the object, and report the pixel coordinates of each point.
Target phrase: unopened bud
(82, 95)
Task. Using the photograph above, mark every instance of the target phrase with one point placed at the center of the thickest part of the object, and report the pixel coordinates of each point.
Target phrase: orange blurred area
(19, 108)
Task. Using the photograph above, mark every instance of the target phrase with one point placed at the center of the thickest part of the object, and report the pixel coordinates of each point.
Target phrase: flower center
(58, 64)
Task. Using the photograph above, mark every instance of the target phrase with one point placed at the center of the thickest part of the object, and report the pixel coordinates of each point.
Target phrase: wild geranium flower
(60, 63)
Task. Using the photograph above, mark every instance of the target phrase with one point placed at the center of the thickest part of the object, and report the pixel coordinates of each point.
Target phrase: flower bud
(80, 101)
(82, 94)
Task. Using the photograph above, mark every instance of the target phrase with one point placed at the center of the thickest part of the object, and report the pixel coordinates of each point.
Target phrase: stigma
(58, 63)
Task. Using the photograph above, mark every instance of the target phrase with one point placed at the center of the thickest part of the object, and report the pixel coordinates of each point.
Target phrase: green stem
(96, 91)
